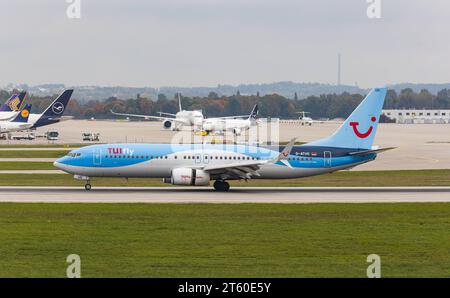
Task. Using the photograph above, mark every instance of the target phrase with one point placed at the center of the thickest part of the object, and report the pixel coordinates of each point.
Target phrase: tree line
(324, 106)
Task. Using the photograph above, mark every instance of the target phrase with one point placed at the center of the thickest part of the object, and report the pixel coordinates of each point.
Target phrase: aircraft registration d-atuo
(198, 164)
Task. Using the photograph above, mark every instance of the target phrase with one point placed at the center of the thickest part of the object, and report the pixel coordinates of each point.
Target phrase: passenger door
(205, 158)
(97, 157)
(198, 158)
(327, 159)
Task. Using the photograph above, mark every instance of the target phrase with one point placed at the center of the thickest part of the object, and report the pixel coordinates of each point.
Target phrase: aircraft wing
(241, 170)
(139, 116)
(168, 114)
(230, 117)
(244, 170)
(150, 117)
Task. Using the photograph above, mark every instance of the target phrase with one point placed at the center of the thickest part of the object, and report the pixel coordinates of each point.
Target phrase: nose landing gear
(88, 186)
(221, 185)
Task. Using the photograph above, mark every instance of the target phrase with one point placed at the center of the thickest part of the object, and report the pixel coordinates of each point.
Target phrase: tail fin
(358, 131)
(15, 103)
(23, 115)
(254, 114)
(58, 106)
(55, 110)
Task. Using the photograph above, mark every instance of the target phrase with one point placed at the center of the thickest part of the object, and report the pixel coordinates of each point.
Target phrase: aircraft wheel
(221, 186)
(87, 186)
(226, 186)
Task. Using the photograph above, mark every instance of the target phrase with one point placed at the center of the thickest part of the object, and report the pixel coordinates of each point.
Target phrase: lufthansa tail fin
(358, 131)
(58, 106)
(15, 103)
(23, 115)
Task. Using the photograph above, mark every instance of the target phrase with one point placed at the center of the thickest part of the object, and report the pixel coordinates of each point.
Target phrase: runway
(299, 195)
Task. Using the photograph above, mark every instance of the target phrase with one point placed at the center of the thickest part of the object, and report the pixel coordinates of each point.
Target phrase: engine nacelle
(237, 131)
(187, 176)
(208, 127)
(167, 124)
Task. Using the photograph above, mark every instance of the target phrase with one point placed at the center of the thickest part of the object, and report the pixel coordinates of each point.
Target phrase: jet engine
(237, 131)
(167, 124)
(187, 176)
(208, 126)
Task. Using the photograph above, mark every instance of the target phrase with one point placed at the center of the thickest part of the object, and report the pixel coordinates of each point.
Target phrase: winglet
(285, 153)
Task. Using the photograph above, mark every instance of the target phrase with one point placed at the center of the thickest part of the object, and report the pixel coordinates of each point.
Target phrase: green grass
(235, 240)
(74, 145)
(33, 153)
(28, 165)
(363, 178)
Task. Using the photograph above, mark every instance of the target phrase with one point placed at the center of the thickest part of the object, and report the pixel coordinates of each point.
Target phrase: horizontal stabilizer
(367, 152)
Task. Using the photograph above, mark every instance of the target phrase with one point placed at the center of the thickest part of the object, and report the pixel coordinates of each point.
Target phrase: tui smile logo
(359, 134)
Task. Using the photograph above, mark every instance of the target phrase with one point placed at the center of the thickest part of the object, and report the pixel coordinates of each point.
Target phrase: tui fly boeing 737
(198, 164)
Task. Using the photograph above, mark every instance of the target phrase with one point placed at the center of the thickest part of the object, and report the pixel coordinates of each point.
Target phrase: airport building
(419, 116)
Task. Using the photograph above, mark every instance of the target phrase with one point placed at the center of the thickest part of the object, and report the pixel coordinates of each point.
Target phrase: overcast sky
(210, 42)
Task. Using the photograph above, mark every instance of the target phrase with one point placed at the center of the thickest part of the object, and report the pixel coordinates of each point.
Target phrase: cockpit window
(74, 154)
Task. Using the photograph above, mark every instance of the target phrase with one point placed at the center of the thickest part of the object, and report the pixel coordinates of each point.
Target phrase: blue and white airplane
(18, 123)
(198, 164)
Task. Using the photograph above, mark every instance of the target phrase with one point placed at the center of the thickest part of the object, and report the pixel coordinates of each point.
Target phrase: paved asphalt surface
(235, 195)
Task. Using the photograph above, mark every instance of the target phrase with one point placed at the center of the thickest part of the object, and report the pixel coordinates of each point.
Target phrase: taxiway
(236, 195)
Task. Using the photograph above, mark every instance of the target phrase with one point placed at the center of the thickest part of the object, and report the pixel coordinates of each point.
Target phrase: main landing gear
(88, 186)
(221, 186)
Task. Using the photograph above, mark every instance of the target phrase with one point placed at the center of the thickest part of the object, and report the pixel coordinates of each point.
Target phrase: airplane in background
(305, 120)
(198, 164)
(236, 126)
(12, 106)
(173, 121)
(54, 112)
(18, 123)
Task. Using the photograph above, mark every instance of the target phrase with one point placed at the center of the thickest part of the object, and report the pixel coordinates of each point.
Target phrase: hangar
(419, 116)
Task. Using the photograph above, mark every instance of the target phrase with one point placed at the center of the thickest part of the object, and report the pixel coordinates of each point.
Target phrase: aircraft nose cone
(60, 164)
(57, 164)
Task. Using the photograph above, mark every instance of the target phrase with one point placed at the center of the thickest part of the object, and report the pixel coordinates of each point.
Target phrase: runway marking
(236, 195)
